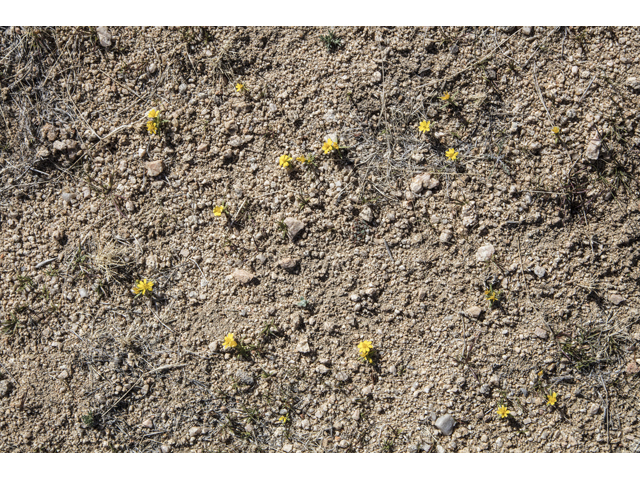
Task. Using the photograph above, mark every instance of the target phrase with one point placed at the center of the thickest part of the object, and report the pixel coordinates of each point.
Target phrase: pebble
(366, 215)
(294, 227)
(446, 236)
(154, 168)
(616, 299)
(541, 333)
(367, 390)
(355, 297)
(593, 147)
(535, 147)
(376, 77)
(148, 423)
(245, 378)
(527, 31)
(303, 346)
(262, 258)
(165, 449)
(195, 431)
(83, 292)
(242, 276)
(104, 36)
(632, 367)
(152, 68)
(539, 271)
(594, 409)
(440, 449)
(288, 263)
(182, 88)
(633, 82)
(321, 369)
(485, 253)
(287, 447)
(342, 376)
(474, 312)
(574, 70)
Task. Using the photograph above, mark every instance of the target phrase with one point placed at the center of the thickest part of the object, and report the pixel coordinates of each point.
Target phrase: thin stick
(388, 249)
(588, 86)
(8, 372)
(539, 93)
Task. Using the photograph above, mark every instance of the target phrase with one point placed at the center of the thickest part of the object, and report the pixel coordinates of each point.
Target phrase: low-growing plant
(331, 41)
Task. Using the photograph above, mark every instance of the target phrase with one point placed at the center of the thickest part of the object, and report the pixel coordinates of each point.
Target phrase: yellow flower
(540, 373)
(329, 145)
(303, 159)
(217, 211)
(555, 130)
(153, 113)
(152, 127)
(283, 419)
(425, 126)
(503, 411)
(451, 154)
(552, 399)
(285, 161)
(491, 296)
(229, 342)
(445, 97)
(143, 286)
(365, 347)
(240, 87)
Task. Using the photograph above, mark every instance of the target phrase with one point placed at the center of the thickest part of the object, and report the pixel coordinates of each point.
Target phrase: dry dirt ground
(386, 239)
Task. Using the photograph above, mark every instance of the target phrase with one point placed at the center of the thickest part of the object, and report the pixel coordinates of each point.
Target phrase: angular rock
(446, 236)
(303, 346)
(616, 299)
(423, 181)
(633, 82)
(474, 312)
(469, 216)
(632, 367)
(195, 431)
(321, 369)
(294, 227)
(242, 276)
(445, 424)
(288, 263)
(485, 253)
(539, 271)
(593, 147)
(366, 215)
(541, 333)
(148, 423)
(154, 168)
(104, 36)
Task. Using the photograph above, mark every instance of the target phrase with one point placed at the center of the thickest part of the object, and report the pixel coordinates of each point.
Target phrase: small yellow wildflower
(446, 96)
(365, 347)
(451, 154)
(143, 286)
(329, 145)
(283, 419)
(491, 296)
(425, 126)
(240, 87)
(540, 373)
(285, 161)
(217, 211)
(555, 130)
(153, 113)
(152, 127)
(305, 159)
(503, 411)
(229, 342)
(552, 399)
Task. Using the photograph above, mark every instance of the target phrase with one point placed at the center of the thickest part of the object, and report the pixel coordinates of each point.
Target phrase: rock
(145, 389)
(423, 181)
(366, 215)
(527, 31)
(5, 388)
(245, 378)
(104, 36)
(354, 297)
(68, 197)
(485, 253)
(165, 449)
(469, 216)
(616, 299)
(303, 346)
(321, 369)
(59, 146)
(593, 147)
(422, 294)
(262, 258)
(355, 415)
(148, 423)
(440, 449)
(287, 447)
(152, 68)
(446, 236)
(182, 88)
(594, 409)
(294, 227)
(242, 276)
(195, 431)
(154, 168)
(632, 368)
(541, 333)
(367, 390)
(376, 77)
(213, 346)
(83, 292)
(288, 263)
(445, 424)
(342, 376)
(535, 147)
(474, 312)
(633, 82)
(539, 271)
(203, 147)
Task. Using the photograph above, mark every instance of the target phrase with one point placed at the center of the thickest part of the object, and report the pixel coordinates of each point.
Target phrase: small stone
(527, 31)
(152, 68)
(343, 444)
(535, 147)
(303, 346)
(245, 378)
(342, 376)
(445, 424)
(287, 447)
(59, 146)
(64, 375)
(366, 215)
(616, 299)
(5, 388)
(440, 449)
(355, 297)
(633, 82)
(446, 236)
(594, 409)
(100, 398)
(242, 276)
(474, 312)
(355, 414)
(154, 168)
(148, 423)
(104, 36)
(195, 431)
(294, 227)
(376, 77)
(144, 390)
(321, 369)
(213, 346)
(203, 147)
(262, 258)
(593, 148)
(288, 263)
(541, 333)
(632, 367)
(182, 88)
(539, 271)
(83, 292)
(165, 449)
(367, 390)
(485, 253)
